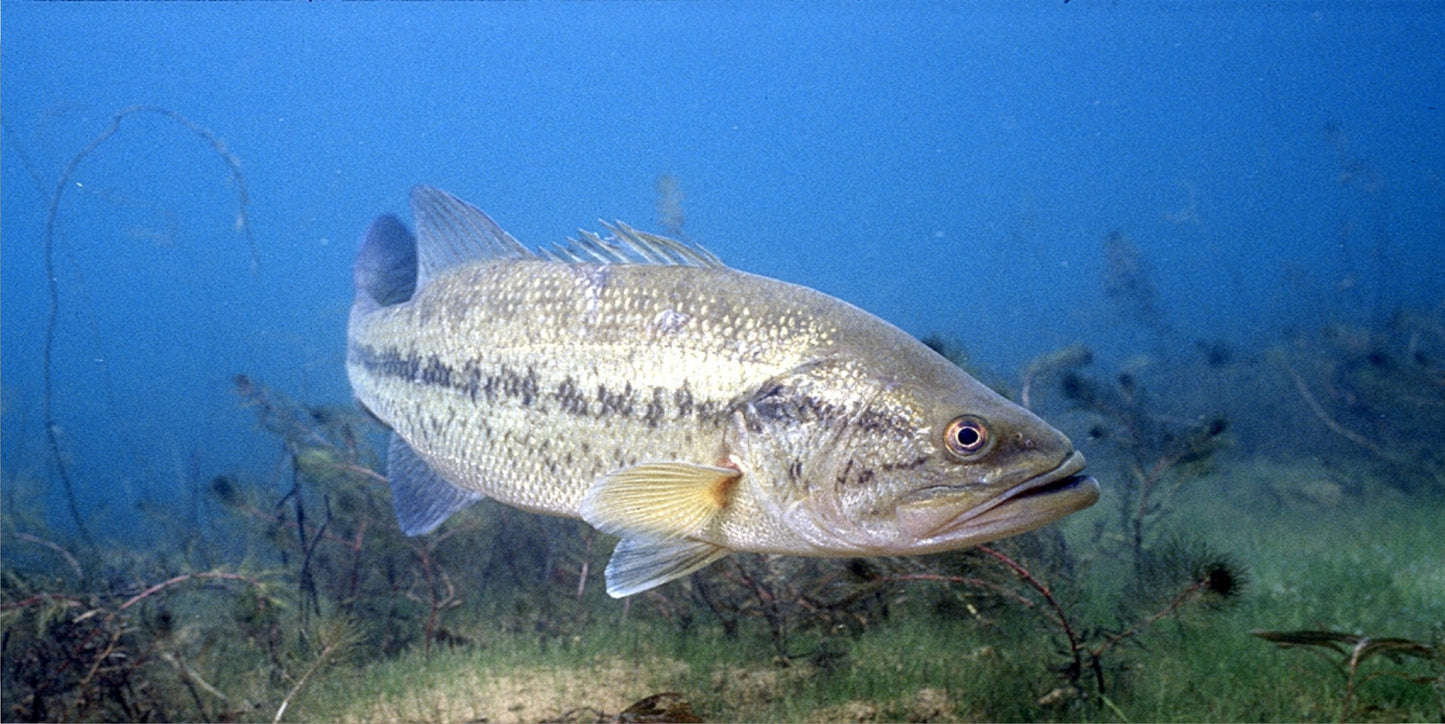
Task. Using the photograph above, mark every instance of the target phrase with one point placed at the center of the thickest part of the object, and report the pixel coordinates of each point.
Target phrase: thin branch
(74, 564)
(40, 598)
(52, 433)
(1074, 644)
(315, 666)
(163, 585)
(967, 581)
(1337, 428)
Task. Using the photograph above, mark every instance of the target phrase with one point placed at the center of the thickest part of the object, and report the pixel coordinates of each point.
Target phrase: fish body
(691, 409)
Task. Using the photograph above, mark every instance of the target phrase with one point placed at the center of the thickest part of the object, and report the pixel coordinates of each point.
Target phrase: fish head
(904, 455)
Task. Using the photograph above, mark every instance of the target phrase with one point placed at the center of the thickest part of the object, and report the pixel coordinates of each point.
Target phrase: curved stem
(51, 429)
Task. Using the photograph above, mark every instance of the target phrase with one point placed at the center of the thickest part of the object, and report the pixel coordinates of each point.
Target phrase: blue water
(952, 167)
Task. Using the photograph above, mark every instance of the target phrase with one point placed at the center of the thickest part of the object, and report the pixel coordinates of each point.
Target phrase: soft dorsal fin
(451, 232)
(662, 249)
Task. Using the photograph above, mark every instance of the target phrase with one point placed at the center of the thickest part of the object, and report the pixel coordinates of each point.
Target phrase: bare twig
(163, 585)
(436, 579)
(190, 675)
(39, 598)
(326, 651)
(74, 564)
(967, 581)
(1337, 428)
(1075, 643)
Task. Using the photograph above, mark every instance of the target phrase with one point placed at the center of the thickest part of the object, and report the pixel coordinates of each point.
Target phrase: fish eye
(965, 436)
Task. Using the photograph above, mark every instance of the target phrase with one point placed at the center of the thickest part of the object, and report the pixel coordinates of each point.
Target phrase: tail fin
(385, 269)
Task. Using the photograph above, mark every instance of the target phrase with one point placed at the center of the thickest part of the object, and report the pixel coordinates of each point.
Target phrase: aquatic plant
(1023, 630)
(324, 554)
(1160, 453)
(1355, 651)
(791, 595)
(352, 558)
(276, 629)
(333, 640)
(1087, 648)
(1046, 366)
(1129, 284)
(116, 655)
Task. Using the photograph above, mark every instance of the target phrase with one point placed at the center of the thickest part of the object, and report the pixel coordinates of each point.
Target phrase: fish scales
(518, 371)
(690, 409)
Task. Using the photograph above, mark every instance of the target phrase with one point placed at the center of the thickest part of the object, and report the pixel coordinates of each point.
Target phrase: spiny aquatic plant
(1159, 453)
(1088, 648)
(117, 655)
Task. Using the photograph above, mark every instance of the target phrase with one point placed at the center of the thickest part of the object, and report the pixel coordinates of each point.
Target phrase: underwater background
(1206, 240)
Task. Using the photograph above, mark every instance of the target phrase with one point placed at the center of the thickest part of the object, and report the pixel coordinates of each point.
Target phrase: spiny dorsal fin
(451, 232)
(626, 245)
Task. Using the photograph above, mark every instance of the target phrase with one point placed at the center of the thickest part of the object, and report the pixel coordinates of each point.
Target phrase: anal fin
(638, 564)
(423, 499)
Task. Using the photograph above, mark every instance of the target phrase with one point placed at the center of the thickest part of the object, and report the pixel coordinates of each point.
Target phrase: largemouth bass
(690, 409)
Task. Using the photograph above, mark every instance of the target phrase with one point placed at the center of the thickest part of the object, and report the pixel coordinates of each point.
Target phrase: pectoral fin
(661, 501)
(639, 563)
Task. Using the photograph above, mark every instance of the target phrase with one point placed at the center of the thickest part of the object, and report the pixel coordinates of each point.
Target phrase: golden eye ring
(966, 437)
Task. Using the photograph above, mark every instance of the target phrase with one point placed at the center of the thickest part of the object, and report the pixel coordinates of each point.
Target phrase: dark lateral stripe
(506, 385)
(786, 405)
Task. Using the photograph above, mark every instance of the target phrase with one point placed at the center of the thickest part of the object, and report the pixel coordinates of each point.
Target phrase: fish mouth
(1031, 504)
(1063, 480)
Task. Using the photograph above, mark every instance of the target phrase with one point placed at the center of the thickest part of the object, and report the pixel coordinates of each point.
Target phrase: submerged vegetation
(1152, 606)
(500, 617)
(1355, 651)
(1226, 535)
